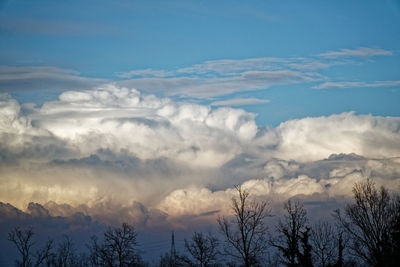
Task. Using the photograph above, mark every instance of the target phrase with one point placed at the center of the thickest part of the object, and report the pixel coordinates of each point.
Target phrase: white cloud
(43, 78)
(359, 52)
(111, 146)
(231, 66)
(204, 87)
(240, 102)
(144, 125)
(344, 171)
(311, 139)
(209, 79)
(227, 76)
(357, 84)
(145, 73)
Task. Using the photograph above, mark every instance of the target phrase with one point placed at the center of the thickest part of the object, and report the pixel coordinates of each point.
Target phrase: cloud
(204, 87)
(221, 77)
(363, 52)
(209, 79)
(101, 152)
(43, 78)
(239, 102)
(105, 118)
(144, 73)
(366, 135)
(319, 182)
(357, 84)
(231, 66)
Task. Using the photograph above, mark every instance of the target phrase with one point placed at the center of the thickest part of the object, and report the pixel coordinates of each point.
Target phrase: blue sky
(97, 41)
(151, 111)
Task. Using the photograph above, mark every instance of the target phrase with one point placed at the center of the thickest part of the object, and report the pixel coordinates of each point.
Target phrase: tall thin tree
(23, 241)
(290, 230)
(245, 232)
(203, 248)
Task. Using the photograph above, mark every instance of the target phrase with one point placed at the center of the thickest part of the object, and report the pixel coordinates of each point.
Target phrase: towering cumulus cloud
(114, 151)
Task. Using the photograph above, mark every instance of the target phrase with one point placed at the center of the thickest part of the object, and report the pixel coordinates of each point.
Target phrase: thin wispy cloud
(217, 78)
(210, 79)
(231, 66)
(240, 102)
(357, 84)
(363, 52)
(43, 78)
(145, 73)
(206, 87)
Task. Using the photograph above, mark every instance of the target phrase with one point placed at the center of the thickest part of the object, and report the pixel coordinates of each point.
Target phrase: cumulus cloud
(144, 125)
(317, 181)
(310, 139)
(114, 153)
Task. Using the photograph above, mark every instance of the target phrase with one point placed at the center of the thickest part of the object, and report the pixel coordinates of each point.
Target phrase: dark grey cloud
(124, 162)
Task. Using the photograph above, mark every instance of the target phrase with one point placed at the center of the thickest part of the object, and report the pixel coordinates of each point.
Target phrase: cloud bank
(114, 152)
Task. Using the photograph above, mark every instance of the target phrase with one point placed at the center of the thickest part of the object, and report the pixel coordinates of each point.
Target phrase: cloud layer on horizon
(114, 150)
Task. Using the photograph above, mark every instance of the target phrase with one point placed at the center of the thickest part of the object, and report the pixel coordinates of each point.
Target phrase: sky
(152, 111)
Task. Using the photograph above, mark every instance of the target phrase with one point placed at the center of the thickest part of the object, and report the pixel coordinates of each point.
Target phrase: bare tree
(323, 239)
(369, 223)
(22, 239)
(305, 255)
(245, 233)
(203, 248)
(119, 248)
(94, 248)
(394, 253)
(66, 253)
(290, 231)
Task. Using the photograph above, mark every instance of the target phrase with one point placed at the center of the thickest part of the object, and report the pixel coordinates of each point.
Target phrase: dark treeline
(365, 233)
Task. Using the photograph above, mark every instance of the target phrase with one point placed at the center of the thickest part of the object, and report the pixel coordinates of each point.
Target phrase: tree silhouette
(117, 249)
(304, 256)
(369, 223)
(22, 239)
(245, 233)
(323, 239)
(202, 248)
(290, 231)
